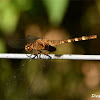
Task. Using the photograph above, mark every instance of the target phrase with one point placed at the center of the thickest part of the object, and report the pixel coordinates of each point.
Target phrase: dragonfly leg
(29, 55)
(37, 54)
(32, 54)
(46, 54)
(33, 57)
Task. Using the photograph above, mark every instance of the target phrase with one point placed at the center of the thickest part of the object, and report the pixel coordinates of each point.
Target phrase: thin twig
(53, 56)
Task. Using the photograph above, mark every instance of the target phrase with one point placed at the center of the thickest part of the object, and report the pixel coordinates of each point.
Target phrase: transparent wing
(31, 39)
(18, 82)
(20, 43)
(27, 80)
(38, 80)
(17, 43)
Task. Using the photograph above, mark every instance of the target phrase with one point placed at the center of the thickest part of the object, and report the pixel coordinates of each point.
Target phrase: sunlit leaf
(10, 12)
(56, 10)
(23, 4)
(9, 19)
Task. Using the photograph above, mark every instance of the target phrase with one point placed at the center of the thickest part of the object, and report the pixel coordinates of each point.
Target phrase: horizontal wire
(53, 56)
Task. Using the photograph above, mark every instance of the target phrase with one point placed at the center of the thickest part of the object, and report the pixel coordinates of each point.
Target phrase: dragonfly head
(29, 47)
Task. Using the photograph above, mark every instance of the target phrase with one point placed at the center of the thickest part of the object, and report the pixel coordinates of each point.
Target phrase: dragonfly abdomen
(57, 42)
(79, 39)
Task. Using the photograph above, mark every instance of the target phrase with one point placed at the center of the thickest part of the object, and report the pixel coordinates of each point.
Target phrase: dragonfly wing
(17, 43)
(31, 39)
(17, 80)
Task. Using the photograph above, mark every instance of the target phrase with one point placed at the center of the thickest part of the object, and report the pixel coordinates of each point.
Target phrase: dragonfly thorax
(29, 47)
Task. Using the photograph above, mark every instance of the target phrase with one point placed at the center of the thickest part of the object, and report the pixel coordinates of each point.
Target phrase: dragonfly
(39, 44)
(35, 45)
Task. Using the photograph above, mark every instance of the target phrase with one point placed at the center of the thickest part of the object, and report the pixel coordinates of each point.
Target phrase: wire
(53, 56)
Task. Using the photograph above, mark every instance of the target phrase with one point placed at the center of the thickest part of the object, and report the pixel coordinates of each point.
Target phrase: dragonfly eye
(28, 48)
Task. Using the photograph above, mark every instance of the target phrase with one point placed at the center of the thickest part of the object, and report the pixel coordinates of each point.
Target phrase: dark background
(52, 79)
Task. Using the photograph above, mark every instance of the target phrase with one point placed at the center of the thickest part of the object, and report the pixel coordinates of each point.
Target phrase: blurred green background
(50, 79)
